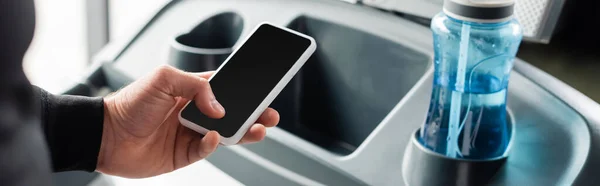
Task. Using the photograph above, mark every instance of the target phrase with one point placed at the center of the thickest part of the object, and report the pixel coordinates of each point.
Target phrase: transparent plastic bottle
(474, 56)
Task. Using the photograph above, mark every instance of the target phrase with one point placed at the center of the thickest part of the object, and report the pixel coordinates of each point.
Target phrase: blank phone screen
(249, 76)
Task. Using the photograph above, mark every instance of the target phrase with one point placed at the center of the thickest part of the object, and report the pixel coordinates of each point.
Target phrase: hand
(142, 134)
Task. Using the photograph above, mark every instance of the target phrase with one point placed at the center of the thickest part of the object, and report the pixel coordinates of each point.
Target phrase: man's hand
(142, 134)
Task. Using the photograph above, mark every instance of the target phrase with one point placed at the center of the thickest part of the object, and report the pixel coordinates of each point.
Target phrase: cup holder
(207, 45)
(425, 167)
(422, 166)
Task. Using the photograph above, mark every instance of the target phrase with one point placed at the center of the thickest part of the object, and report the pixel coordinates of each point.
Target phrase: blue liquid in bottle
(467, 114)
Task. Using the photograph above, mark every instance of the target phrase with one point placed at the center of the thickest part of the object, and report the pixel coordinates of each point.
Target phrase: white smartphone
(250, 79)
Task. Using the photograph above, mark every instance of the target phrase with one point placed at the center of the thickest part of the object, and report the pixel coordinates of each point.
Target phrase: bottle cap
(486, 11)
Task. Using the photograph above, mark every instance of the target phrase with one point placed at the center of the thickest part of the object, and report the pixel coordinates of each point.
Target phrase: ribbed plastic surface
(530, 14)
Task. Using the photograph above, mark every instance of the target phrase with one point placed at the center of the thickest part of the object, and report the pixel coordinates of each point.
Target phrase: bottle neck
(478, 23)
(479, 14)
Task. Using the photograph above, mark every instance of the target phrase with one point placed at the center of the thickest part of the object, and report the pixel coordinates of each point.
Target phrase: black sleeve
(73, 129)
(68, 130)
(24, 159)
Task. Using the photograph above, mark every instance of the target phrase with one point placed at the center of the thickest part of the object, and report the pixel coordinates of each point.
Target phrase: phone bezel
(269, 98)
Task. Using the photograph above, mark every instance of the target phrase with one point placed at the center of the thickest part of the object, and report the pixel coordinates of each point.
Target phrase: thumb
(177, 83)
(205, 75)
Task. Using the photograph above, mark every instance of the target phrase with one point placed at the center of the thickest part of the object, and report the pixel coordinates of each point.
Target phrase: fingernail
(217, 106)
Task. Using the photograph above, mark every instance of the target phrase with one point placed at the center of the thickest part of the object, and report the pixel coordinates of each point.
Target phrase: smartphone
(250, 79)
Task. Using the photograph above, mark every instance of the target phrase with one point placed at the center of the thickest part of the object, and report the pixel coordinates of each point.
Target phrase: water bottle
(475, 46)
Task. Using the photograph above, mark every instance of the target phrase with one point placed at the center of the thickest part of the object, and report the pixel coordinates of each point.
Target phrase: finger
(269, 118)
(177, 83)
(255, 134)
(202, 147)
(205, 75)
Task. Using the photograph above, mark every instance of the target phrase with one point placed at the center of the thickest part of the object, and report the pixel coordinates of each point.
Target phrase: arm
(92, 134)
(73, 129)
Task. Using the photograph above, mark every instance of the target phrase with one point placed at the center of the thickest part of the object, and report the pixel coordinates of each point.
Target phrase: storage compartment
(207, 45)
(347, 87)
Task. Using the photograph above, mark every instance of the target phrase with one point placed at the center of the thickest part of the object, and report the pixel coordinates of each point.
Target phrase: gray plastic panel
(320, 172)
(377, 160)
(582, 104)
(184, 15)
(247, 171)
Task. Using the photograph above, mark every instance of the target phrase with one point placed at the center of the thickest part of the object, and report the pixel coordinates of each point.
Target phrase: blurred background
(70, 32)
